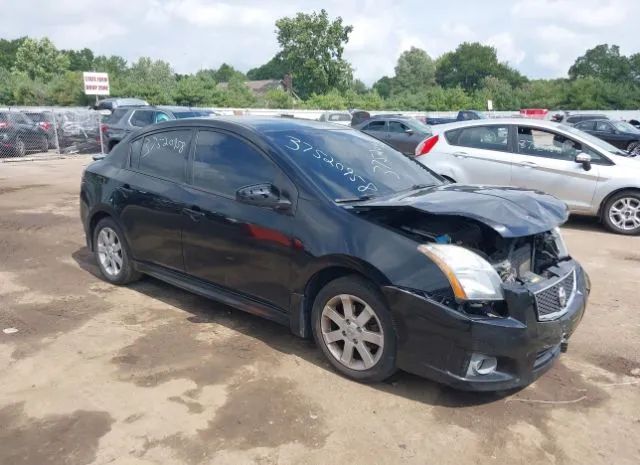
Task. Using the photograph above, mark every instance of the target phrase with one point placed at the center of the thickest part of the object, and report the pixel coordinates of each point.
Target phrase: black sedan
(334, 234)
(618, 133)
(18, 135)
(400, 132)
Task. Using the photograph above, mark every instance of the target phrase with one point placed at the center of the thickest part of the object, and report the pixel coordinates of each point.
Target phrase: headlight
(563, 252)
(470, 275)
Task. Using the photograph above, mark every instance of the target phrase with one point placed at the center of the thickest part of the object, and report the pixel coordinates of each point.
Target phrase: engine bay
(516, 260)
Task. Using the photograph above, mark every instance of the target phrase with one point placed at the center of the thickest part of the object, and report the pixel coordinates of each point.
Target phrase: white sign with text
(96, 83)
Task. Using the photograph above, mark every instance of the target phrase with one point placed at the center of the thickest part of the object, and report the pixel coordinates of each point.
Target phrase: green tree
(151, 80)
(114, 65)
(197, 91)
(80, 60)
(227, 73)
(602, 62)
(8, 50)
(415, 69)
(469, 64)
(359, 87)
(383, 86)
(278, 98)
(272, 69)
(67, 90)
(39, 59)
(237, 94)
(312, 48)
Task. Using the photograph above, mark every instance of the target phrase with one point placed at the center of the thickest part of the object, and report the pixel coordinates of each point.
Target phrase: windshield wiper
(361, 198)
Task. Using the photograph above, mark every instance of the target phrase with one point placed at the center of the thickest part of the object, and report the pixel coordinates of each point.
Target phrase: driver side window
(547, 144)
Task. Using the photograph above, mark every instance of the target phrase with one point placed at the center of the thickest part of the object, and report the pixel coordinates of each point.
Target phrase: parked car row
(19, 135)
(338, 236)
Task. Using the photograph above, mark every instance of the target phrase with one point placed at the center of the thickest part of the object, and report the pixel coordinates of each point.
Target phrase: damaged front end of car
(511, 303)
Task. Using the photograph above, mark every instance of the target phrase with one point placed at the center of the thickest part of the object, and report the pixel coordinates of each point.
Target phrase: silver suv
(591, 176)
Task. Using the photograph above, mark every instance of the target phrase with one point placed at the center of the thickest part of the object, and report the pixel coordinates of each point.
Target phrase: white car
(338, 117)
(591, 176)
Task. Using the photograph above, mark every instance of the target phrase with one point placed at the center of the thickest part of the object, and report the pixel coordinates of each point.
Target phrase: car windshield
(623, 126)
(418, 126)
(350, 164)
(593, 140)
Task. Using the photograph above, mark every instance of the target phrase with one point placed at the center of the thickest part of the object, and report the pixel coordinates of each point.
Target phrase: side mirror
(585, 159)
(408, 132)
(263, 195)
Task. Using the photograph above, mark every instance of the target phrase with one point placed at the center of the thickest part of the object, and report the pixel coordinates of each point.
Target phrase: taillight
(104, 128)
(45, 125)
(4, 124)
(426, 145)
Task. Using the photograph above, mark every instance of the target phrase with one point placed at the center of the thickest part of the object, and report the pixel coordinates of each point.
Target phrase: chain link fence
(40, 132)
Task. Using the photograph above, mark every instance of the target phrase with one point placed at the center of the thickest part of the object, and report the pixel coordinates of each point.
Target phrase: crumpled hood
(511, 212)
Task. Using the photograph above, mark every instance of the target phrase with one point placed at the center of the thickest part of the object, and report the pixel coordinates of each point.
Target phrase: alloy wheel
(110, 252)
(20, 147)
(352, 332)
(625, 213)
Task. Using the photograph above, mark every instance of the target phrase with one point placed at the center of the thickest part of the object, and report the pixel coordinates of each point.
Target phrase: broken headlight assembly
(558, 240)
(472, 278)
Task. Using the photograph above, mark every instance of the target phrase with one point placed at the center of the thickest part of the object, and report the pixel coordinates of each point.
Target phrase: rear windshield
(116, 115)
(36, 116)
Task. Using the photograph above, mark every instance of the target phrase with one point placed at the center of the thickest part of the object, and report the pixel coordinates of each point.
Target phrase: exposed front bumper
(437, 342)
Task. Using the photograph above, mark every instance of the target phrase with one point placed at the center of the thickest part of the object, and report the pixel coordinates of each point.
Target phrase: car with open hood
(336, 235)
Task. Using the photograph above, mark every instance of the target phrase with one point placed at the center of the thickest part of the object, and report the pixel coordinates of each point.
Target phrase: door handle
(528, 164)
(194, 213)
(460, 154)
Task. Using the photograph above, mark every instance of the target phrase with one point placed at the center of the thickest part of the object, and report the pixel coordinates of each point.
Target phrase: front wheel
(621, 214)
(353, 327)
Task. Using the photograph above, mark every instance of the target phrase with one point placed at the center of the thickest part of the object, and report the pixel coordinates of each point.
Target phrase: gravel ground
(149, 374)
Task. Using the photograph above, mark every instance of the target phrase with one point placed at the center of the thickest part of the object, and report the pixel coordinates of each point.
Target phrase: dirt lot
(148, 374)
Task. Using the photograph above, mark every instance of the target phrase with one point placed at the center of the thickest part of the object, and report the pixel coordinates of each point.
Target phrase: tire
(44, 144)
(375, 335)
(621, 213)
(112, 255)
(634, 148)
(21, 149)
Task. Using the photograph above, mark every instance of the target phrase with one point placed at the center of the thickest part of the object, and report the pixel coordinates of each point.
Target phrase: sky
(540, 38)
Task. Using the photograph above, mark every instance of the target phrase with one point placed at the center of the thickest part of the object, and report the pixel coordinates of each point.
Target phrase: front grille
(548, 300)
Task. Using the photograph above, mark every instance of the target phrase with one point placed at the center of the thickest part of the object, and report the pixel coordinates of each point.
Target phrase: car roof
(256, 123)
(438, 128)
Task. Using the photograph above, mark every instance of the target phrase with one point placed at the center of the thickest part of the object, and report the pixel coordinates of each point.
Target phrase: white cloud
(541, 37)
(506, 47)
(586, 13)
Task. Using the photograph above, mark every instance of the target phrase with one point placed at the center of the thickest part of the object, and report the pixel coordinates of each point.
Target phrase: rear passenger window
(224, 163)
(492, 137)
(396, 126)
(141, 118)
(116, 115)
(375, 126)
(163, 154)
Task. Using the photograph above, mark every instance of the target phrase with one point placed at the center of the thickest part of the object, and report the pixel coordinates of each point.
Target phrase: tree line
(35, 72)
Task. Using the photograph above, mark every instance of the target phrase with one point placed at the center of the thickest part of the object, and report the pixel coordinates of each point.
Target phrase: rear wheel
(44, 144)
(634, 148)
(112, 253)
(353, 327)
(21, 149)
(621, 214)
